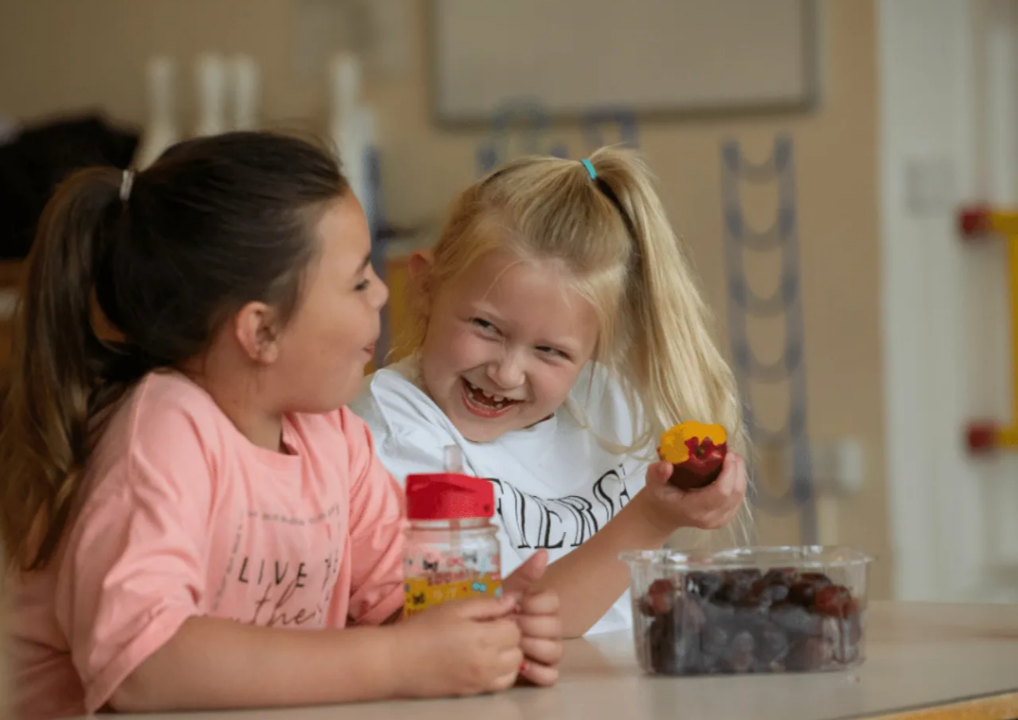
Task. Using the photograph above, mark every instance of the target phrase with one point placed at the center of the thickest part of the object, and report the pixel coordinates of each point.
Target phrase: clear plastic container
(452, 549)
(749, 610)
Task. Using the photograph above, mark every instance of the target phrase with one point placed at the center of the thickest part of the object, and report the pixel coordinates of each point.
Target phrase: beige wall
(95, 57)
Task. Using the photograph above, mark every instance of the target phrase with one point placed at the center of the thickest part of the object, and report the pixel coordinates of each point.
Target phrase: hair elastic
(607, 191)
(126, 183)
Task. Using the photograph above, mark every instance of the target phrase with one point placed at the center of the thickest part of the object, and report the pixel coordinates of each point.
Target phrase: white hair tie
(126, 183)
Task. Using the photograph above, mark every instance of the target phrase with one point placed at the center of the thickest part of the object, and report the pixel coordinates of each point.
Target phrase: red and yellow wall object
(979, 223)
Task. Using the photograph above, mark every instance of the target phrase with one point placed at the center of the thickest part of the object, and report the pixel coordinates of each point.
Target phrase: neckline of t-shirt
(274, 459)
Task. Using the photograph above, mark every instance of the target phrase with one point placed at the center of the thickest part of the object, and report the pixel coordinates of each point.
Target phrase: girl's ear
(256, 329)
(420, 274)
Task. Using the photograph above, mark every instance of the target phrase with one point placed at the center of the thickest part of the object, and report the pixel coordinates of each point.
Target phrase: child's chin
(477, 432)
(481, 430)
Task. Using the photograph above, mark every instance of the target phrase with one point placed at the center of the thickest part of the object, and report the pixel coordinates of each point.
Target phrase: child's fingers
(540, 626)
(511, 659)
(542, 650)
(730, 487)
(727, 497)
(478, 608)
(659, 472)
(545, 602)
(507, 680)
(742, 477)
(542, 675)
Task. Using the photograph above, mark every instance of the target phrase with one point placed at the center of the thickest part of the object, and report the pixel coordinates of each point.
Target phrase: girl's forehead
(531, 297)
(500, 275)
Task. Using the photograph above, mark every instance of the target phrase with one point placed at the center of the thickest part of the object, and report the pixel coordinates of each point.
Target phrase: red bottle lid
(448, 496)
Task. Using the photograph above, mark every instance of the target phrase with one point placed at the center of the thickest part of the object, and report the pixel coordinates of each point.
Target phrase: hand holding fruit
(705, 485)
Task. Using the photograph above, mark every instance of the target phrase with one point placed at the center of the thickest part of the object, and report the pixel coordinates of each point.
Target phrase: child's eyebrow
(364, 265)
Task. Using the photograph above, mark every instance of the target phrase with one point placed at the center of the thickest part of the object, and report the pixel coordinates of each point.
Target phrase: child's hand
(541, 628)
(538, 620)
(462, 647)
(706, 508)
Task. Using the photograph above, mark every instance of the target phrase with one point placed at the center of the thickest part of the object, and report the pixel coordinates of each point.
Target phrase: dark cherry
(781, 576)
(739, 656)
(802, 594)
(715, 639)
(834, 601)
(691, 613)
(703, 584)
(794, 619)
(737, 585)
(764, 594)
(660, 598)
(810, 654)
(662, 646)
(772, 644)
(816, 579)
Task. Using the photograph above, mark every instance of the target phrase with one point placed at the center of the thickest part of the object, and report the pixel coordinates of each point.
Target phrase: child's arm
(216, 664)
(211, 664)
(591, 578)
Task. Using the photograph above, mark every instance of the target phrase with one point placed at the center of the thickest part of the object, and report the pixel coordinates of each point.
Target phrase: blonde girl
(561, 330)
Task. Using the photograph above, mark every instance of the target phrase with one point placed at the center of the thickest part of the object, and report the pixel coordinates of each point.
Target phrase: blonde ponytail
(670, 358)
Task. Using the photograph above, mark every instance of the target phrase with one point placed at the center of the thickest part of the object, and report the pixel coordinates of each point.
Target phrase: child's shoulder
(166, 426)
(393, 393)
(597, 387)
(164, 412)
(167, 399)
(396, 409)
(600, 402)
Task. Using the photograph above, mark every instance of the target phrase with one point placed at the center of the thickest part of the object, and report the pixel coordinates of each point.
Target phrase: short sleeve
(132, 572)
(377, 513)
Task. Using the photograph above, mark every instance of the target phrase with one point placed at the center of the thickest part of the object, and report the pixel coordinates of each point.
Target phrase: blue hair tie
(590, 168)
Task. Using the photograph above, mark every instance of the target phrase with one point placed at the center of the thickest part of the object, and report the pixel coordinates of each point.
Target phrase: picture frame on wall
(657, 60)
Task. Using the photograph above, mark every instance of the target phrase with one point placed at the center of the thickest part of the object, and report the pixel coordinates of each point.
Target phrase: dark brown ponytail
(56, 361)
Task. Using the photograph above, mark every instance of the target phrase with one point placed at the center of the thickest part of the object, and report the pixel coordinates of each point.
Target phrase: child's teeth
(497, 401)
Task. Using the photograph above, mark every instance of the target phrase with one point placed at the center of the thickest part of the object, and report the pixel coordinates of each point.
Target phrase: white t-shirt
(555, 484)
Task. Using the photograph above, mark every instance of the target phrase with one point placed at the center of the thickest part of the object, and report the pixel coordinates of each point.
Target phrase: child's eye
(362, 286)
(552, 352)
(484, 325)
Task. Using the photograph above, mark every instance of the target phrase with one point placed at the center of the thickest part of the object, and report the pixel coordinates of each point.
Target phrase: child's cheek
(552, 384)
(466, 350)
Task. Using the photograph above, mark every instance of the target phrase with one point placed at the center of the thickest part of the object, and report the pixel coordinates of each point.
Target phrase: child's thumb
(526, 575)
(659, 472)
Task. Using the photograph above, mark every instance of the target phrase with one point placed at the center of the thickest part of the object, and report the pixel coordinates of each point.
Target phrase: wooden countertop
(925, 662)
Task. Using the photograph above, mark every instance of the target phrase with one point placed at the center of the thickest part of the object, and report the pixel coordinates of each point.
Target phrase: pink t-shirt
(184, 516)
